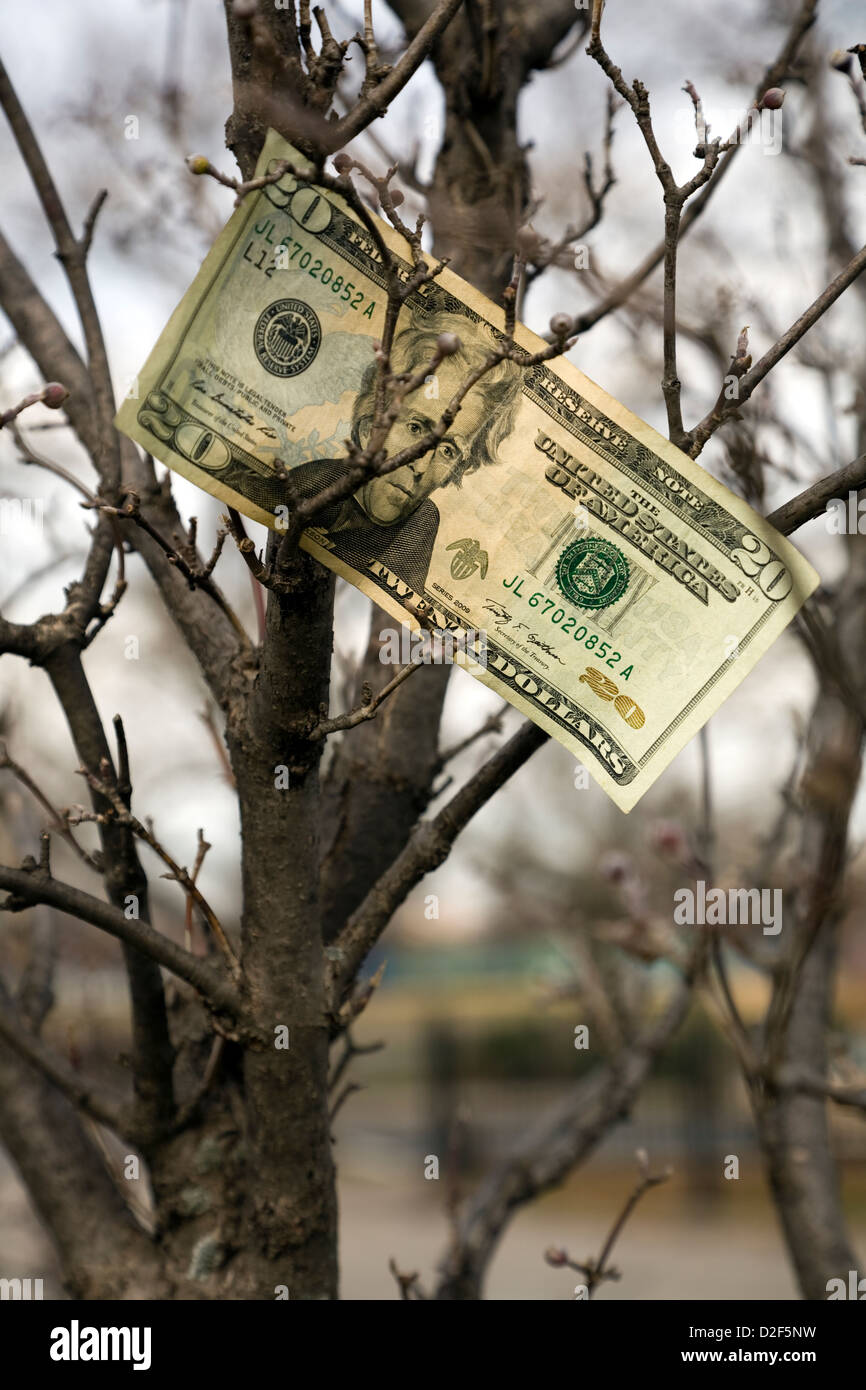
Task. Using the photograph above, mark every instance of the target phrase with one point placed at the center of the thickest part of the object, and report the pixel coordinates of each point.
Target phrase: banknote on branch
(586, 569)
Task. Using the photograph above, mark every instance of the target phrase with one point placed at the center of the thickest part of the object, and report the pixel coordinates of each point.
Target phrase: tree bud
(197, 163)
(53, 395)
(615, 866)
(396, 197)
(772, 98)
(527, 241)
(447, 344)
(561, 325)
(668, 837)
(555, 1257)
(342, 163)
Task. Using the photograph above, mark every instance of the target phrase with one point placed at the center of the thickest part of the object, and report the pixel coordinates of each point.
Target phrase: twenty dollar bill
(602, 582)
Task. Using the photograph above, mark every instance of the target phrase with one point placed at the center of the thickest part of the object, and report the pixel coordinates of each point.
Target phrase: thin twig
(407, 1283)
(597, 1271)
(52, 395)
(554, 254)
(349, 1088)
(367, 710)
(72, 254)
(130, 510)
(207, 718)
(201, 851)
(491, 725)
(774, 73)
(675, 197)
(376, 100)
(199, 164)
(350, 1049)
(120, 812)
(707, 427)
(59, 822)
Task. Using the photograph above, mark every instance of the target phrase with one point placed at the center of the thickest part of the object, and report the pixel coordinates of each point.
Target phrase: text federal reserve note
(608, 586)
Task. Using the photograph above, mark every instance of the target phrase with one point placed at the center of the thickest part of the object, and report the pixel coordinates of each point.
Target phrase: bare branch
(35, 995)
(18, 639)
(775, 73)
(366, 710)
(197, 577)
(200, 854)
(428, 846)
(121, 815)
(809, 1084)
(349, 1088)
(30, 456)
(86, 607)
(84, 1096)
(53, 395)
(491, 725)
(596, 1271)
(212, 639)
(697, 437)
(103, 1255)
(26, 888)
(350, 1049)
(59, 821)
(675, 197)
(554, 254)
(542, 1159)
(407, 1283)
(72, 253)
(200, 164)
(813, 501)
(378, 98)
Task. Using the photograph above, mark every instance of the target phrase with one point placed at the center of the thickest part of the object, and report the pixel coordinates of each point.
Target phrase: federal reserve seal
(592, 573)
(287, 337)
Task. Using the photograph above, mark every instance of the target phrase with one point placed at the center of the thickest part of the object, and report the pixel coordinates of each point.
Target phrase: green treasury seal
(592, 573)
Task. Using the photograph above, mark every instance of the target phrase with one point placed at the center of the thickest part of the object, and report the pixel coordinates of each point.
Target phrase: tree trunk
(793, 1128)
(290, 1214)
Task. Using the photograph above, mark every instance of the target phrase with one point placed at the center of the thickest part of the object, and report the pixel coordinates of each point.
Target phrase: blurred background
(477, 1007)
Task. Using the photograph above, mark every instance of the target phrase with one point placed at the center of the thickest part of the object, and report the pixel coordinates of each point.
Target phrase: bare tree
(328, 860)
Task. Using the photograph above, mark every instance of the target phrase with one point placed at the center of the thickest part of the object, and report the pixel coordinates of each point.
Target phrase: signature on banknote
(219, 399)
(502, 619)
